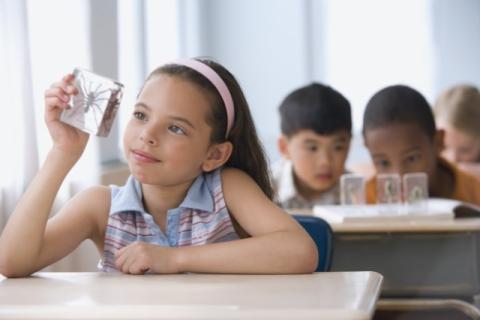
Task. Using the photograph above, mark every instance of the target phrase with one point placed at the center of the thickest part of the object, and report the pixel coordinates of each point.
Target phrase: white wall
(264, 44)
(274, 46)
(104, 57)
(456, 36)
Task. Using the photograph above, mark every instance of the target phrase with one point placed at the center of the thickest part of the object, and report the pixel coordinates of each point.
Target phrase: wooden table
(335, 295)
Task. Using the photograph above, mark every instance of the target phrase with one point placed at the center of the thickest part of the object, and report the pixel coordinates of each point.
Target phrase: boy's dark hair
(316, 107)
(399, 104)
(248, 154)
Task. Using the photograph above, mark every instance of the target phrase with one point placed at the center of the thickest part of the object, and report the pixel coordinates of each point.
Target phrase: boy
(400, 134)
(316, 131)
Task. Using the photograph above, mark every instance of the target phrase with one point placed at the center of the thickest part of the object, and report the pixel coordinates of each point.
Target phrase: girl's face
(460, 146)
(167, 140)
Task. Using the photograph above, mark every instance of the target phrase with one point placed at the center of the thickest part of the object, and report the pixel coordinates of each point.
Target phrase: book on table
(431, 209)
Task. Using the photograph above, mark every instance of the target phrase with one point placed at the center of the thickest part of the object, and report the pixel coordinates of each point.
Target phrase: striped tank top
(201, 218)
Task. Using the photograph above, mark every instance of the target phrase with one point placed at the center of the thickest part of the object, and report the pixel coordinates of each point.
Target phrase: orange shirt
(466, 187)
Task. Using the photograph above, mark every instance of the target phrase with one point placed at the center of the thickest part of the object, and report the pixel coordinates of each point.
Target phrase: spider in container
(90, 99)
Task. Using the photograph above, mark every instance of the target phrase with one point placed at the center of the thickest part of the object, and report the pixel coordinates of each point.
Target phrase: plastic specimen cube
(389, 189)
(95, 106)
(352, 189)
(415, 191)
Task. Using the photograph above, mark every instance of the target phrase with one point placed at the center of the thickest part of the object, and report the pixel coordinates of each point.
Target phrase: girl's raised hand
(65, 137)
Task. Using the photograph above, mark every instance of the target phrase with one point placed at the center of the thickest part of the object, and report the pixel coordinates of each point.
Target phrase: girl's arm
(277, 244)
(27, 243)
(31, 241)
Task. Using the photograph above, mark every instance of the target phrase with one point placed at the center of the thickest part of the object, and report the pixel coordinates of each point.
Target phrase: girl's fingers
(55, 89)
(57, 92)
(60, 93)
(121, 251)
(66, 84)
(120, 257)
(126, 260)
(127, 264)
(55, 102)
(70, 89)
(119, 260)
(68, 77)
(137, 268)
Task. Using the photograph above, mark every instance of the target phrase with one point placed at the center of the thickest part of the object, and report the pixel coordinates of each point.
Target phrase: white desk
(429, 259)
(448, 226)
(424, 226)
(336, 295)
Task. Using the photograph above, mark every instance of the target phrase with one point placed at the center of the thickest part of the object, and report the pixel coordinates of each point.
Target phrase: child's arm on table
(277, 243)
(28, 243)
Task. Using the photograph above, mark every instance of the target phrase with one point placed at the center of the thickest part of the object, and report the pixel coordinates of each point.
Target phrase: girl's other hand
(141, 257)
(65, 137)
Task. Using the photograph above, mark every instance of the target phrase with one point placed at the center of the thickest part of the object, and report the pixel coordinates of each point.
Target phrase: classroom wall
(456, 37)
(271, 46)
(104, 57)
(274, 46)
(265, 45)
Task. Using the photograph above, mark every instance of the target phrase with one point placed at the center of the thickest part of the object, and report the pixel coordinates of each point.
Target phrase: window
(371, 44)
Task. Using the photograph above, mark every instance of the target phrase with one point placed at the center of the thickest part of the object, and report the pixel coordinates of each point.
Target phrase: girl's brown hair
(248, 154)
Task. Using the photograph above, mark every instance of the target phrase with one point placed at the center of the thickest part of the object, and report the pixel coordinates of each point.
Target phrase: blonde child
(457, 111)
(197, 200)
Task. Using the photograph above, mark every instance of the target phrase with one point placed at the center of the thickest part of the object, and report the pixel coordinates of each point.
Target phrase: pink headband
(217, 82)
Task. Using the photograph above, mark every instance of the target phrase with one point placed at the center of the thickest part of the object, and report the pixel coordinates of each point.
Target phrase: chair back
(322, 234)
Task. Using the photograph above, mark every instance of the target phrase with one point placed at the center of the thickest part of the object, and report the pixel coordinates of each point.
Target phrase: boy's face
(402, 148)
(318, 160)
(460, 146)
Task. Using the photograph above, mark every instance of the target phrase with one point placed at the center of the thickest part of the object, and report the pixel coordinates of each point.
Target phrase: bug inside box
(95, 106)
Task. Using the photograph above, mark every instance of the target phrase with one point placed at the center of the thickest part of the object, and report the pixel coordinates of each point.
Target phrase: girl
(197, 200)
